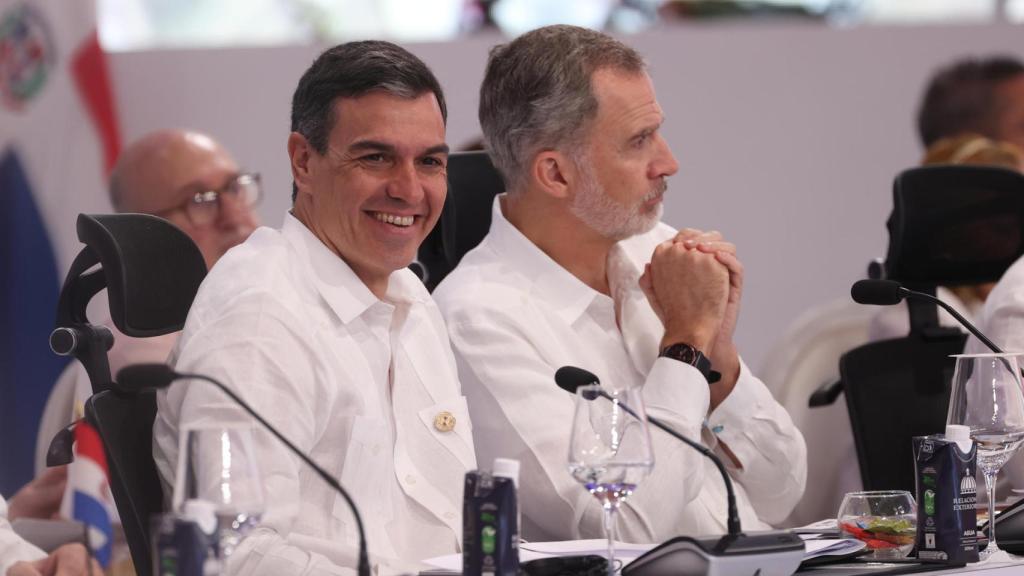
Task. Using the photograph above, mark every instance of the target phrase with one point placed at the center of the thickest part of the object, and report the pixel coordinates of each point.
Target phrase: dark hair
(962, 98)
(536, 92)
(351, 70)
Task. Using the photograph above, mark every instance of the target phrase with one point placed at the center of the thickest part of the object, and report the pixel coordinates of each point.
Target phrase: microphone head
(569, 378)
(139, 377)
(877, 292)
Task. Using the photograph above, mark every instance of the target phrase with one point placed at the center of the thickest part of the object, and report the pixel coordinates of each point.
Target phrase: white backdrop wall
(788, 136)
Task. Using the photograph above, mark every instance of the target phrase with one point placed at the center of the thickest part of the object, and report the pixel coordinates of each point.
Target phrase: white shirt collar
(342, 290)
(570, 296)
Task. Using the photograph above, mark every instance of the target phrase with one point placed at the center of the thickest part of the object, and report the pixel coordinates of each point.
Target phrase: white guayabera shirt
(365, 387)
(1002, 320)
(13, 548)
(515, 316)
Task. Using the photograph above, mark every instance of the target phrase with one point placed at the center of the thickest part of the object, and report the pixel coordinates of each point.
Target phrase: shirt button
(449, 515)
(410, 479)
(444, 421)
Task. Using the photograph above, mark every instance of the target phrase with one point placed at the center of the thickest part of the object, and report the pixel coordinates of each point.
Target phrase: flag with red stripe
(87, 495)
(59, 138)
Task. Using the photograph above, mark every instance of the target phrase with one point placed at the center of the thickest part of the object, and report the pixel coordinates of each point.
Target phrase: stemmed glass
(220, 468)
(987, 397)
(610, 449)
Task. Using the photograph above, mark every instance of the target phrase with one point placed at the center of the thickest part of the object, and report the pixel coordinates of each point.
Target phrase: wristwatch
(687, 354)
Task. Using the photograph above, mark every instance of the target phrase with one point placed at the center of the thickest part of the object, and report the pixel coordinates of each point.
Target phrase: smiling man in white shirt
(320, 326)
(578, 270)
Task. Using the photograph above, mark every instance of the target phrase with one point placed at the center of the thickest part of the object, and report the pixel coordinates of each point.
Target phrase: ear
(300, 153)
(553, 172)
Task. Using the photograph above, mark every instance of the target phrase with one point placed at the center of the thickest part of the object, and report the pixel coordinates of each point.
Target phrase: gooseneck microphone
(889, 292)
(138, 377)
(569, 378)
(774, 553)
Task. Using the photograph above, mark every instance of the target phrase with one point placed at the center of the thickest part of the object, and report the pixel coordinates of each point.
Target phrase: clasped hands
(694, 283)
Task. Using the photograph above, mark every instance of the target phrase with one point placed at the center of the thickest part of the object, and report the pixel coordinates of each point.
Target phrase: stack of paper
(814, 547)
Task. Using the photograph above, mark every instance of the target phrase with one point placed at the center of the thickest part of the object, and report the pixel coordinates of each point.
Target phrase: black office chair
(151, 271)
(125, 424)
(473, 182)
(895, 390)
(950, 225)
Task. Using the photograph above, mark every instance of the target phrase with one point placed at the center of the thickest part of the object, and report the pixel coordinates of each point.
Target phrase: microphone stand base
(775, 553)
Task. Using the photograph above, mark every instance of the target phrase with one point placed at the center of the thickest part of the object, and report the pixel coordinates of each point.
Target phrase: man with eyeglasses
(189, 179)
(192, 181)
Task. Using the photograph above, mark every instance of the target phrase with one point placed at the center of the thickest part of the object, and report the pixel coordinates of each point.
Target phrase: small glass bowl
(885, 520)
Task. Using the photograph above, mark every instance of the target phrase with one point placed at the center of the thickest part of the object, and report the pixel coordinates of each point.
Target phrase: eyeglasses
(204, 207)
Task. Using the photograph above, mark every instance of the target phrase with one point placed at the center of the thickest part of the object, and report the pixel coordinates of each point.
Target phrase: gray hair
(537, 94)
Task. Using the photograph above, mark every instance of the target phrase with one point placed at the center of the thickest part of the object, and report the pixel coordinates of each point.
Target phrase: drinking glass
(885, 520)
(220, 468)
(610, 449)
(986, 396)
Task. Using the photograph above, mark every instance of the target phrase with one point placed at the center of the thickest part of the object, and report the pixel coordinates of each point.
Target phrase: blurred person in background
(983, 96)
(19, 558)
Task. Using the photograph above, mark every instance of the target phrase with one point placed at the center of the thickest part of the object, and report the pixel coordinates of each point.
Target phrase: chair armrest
(826, 394)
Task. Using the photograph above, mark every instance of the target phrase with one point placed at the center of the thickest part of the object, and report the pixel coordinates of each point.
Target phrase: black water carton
(490, 531)
(947, 493)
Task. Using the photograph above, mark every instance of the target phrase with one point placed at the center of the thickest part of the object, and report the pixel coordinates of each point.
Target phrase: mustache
(660, 187)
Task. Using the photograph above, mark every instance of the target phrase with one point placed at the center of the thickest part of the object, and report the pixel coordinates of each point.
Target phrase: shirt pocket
(457, 438)
(368, 476)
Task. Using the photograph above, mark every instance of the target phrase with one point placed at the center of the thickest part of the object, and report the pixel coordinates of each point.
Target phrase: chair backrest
(895, 390)
(125, 425)
(473, 182)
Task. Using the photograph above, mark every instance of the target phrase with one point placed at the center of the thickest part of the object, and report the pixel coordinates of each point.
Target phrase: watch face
(681, 352)
(689, 355)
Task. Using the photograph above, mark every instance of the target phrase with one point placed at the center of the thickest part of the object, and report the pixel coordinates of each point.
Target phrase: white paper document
(629, 552)
(534, 550)
(830, 547)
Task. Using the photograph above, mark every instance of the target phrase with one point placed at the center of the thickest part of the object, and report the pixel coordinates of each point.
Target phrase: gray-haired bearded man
(578, 270)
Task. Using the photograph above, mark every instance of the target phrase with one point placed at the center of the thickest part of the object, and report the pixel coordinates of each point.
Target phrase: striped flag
(87, 495)
(59, 139)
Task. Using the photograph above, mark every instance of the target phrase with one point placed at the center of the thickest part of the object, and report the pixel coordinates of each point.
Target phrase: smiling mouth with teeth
(402, 221)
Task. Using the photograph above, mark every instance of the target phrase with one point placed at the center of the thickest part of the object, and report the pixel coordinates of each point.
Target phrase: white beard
(606, 215)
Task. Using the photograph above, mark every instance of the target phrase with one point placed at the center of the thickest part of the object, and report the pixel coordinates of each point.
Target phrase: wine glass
(220, 468)
(610, 449)
(986, 396)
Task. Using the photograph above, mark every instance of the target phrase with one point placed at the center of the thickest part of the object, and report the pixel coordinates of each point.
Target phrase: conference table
(1005, 565)
(1014, 567)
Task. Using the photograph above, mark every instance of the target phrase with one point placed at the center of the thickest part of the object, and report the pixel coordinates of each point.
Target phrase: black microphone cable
(134, 378)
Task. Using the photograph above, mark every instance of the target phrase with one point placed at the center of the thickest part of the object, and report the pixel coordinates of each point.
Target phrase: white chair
(803, 359)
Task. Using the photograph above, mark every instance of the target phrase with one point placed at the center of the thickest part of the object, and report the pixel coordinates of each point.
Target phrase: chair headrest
(955, 225)
(152, 270)
(473, 182)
